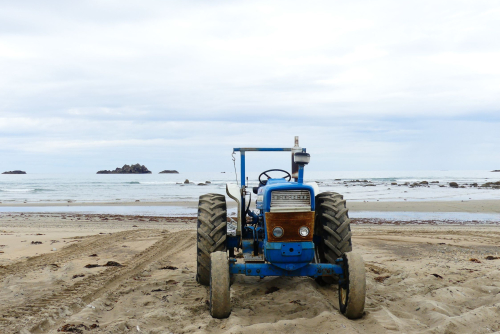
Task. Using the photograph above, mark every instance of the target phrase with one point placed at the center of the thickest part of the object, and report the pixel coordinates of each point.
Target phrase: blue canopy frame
(242, 151)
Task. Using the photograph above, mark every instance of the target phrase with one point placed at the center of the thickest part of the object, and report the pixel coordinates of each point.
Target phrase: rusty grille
(290, 222)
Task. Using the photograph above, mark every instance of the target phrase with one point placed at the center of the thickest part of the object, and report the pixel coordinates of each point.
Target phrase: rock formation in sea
(494, 185)
(169, 171)
(496, 171)
(126, 169)
(15, 172)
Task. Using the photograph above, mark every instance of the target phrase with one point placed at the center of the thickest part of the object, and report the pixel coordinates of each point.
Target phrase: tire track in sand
(85, 247)
(46, 313)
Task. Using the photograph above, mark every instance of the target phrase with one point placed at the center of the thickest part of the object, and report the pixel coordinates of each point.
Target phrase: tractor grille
(291, 200)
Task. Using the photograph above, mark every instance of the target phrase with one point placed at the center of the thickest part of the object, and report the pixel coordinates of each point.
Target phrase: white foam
(17, 190)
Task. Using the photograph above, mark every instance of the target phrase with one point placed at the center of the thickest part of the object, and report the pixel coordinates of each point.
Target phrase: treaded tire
(352, 290)
(220, 294)
(332, 224)
(211, 233)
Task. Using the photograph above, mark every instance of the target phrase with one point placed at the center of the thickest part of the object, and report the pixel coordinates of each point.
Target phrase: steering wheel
(287, 177)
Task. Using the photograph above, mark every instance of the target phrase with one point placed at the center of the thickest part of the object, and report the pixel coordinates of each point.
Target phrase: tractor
(294, 231)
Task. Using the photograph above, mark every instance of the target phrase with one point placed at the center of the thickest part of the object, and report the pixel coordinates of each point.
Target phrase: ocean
(119, 188)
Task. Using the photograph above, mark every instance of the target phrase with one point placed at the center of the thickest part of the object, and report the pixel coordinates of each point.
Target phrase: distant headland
(496, 171)
(168, 171)
(126, 169)
(15, 172)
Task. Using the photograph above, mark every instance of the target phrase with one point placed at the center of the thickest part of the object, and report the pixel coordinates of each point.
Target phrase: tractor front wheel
(211, 233)
(352, 288)
(220, 301)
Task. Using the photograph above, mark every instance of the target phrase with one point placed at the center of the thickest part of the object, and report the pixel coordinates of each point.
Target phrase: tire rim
(343, 296)
(344, 287)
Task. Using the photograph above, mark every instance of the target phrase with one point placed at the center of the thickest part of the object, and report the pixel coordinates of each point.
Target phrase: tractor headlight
(278, 232)
(303, 231)
(301, 158)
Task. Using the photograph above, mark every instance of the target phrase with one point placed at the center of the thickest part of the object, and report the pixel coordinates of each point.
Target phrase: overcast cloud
(367, 85)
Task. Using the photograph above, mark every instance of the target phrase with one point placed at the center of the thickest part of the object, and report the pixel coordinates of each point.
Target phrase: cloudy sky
(367, 85)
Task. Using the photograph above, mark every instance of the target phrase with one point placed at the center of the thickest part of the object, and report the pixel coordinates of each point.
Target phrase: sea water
(123, 188)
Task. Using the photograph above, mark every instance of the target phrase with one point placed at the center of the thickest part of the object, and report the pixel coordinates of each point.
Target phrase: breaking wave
(26, 190)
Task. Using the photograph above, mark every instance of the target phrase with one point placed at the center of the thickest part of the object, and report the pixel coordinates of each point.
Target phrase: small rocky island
(168, 171)
(15, 172)
(496, 171)
(126, 169)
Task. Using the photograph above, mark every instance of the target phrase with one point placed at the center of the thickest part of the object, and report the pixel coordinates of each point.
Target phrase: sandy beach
(421, 279)
(366, 124)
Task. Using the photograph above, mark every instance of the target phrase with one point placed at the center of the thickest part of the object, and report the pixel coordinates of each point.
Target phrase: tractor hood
(280, 195)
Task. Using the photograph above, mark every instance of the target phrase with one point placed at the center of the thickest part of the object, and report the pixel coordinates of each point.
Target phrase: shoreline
(471, 206)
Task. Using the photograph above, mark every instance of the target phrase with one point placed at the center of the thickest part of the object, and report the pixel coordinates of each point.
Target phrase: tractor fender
(234, 192)
(315, 187)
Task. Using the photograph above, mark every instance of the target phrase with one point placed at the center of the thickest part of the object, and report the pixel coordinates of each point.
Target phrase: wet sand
(477, 206)
(482, 206)
(420, 279)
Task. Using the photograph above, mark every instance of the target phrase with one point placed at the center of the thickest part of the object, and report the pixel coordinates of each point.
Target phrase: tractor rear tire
(211, 233)
(332, 225)
(352, 289)
(220, 294)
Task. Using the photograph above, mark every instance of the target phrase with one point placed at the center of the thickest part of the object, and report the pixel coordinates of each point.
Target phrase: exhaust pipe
(295, 168)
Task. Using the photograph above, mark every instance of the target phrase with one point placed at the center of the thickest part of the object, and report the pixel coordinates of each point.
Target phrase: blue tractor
(296, 231)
